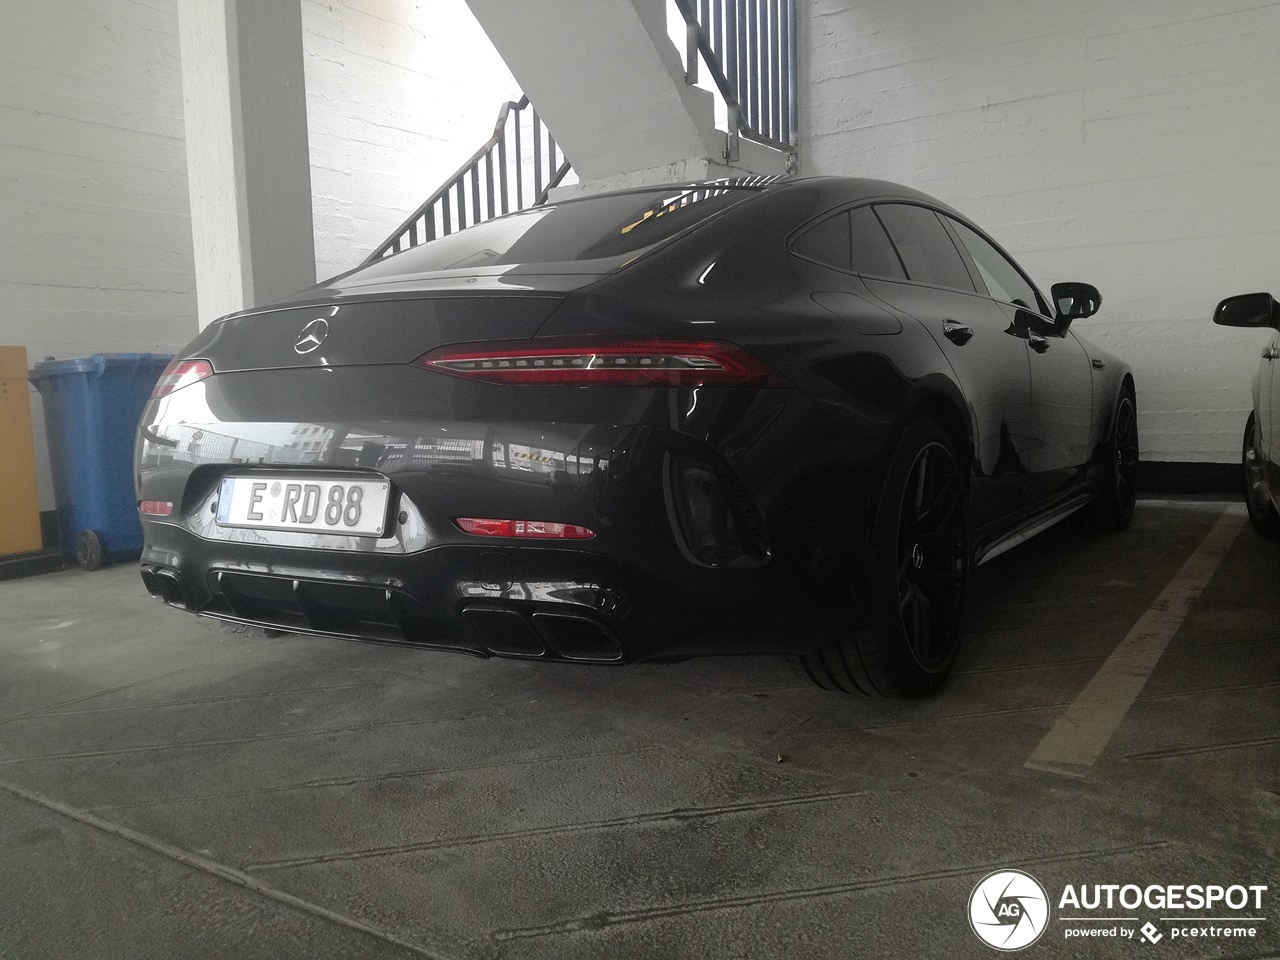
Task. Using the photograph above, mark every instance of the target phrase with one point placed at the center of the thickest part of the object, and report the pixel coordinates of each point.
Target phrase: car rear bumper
(521, 602)
(725, 521)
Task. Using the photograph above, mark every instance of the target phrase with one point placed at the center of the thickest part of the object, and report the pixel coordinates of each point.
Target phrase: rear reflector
(605, 362)
(179, 374)
(155, 508)
(524, 529)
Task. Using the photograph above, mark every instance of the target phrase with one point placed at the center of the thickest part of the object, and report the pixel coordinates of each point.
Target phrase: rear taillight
(179, 374)
(601, 362)
(524, 529)
(155, 508)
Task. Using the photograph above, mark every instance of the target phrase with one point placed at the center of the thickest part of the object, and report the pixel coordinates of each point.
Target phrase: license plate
(351, 507)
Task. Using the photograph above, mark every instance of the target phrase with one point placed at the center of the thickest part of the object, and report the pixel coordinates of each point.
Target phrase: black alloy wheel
(918, 576)
(932, 557)
(1262, 512)
(1113, 509)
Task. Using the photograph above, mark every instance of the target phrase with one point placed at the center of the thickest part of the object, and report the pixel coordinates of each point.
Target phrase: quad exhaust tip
(505, 632)
(166, 586)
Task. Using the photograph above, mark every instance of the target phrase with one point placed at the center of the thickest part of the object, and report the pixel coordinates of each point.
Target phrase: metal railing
(516, 168)
(749, 49)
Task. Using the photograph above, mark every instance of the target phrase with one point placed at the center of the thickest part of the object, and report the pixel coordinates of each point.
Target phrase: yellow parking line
(1083, 732)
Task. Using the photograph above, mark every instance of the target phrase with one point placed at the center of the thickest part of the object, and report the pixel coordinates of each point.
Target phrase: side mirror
(1074, 301)
(1248, 310)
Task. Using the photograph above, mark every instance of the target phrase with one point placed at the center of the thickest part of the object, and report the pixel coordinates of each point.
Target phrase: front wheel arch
(1262, 510)
(1118, 457)
(1105, 413)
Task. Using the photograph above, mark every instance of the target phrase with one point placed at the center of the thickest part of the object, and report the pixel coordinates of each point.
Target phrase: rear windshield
(588, 229)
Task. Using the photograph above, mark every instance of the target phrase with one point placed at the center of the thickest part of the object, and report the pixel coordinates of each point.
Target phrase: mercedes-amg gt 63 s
(1261, 448)
(722, 417)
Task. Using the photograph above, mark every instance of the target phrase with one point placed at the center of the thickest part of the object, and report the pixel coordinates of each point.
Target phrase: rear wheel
(1262, 512)
(907, 641)
(1113, 509)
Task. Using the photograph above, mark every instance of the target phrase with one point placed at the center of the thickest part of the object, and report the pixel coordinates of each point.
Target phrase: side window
(1001, 277)
(873, 253)
(828, 242)
(925, 246)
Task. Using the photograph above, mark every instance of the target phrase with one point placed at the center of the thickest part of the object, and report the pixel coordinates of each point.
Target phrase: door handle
(1271, 353)
(1037, 343)
(957, 333)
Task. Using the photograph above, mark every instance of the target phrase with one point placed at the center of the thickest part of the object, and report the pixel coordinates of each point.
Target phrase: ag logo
(312, 335)
(1008, 910)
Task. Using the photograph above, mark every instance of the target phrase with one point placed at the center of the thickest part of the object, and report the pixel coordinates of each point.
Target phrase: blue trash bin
(91, 410)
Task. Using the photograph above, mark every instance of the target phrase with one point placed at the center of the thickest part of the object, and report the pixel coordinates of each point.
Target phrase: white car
(1261, 449)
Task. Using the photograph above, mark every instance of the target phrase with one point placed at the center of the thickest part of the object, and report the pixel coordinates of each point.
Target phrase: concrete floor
(166, 791)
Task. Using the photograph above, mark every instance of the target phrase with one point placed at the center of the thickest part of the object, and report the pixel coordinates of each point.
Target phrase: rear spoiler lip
(398, 291)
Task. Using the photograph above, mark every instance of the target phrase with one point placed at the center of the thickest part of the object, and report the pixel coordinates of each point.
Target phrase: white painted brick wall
(95, 233)
(95, 240)
(1134, 145)
(399, 95)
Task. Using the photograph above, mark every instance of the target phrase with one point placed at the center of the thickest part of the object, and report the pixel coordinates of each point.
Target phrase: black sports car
(724, 417)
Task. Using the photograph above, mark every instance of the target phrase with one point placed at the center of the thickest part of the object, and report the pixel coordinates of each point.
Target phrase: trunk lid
(390, 330)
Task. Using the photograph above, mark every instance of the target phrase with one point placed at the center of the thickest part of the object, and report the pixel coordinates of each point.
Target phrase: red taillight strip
(179, 374)
(604, 362)
(524, 529)
(155, 508)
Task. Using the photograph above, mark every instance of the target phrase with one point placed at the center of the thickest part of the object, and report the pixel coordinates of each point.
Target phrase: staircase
(748, 49)
(519, 165)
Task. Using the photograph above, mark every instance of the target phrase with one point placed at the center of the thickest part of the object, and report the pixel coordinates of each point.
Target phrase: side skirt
(1030, 527)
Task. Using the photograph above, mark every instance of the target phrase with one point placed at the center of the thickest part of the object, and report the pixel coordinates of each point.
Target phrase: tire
(1262, 512)
(1112, 510)
(919, 560)
(89, 550)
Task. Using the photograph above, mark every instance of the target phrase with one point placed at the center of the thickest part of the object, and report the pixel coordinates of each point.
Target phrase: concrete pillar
(248, 162)
(609, 83)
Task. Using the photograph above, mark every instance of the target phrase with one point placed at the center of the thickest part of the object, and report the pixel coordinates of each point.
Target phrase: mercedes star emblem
(312, 335)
